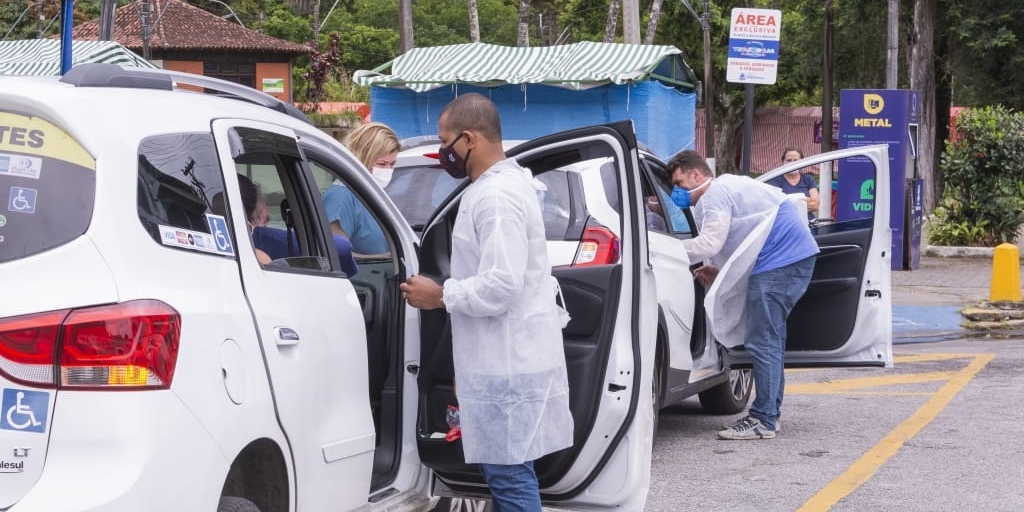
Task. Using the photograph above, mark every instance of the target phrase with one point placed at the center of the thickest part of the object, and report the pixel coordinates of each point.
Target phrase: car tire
(729, 397)
(462, 505)
(236, 504)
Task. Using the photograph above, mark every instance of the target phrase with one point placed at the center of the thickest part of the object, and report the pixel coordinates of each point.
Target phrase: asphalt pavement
(927, 300)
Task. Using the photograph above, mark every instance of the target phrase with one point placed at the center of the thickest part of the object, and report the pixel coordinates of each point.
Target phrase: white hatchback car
(145, 350)
(584, 217)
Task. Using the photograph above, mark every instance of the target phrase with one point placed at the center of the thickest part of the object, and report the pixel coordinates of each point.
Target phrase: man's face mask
(681, 197)
(453, 164)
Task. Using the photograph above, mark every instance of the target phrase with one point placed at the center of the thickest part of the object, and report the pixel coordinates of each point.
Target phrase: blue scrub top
(362, 229)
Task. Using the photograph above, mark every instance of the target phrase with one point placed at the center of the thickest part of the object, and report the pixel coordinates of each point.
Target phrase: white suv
(149, 361)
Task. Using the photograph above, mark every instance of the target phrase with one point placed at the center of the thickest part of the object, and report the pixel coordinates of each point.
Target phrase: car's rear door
(308, 319)
(845, 317)
(609, 347)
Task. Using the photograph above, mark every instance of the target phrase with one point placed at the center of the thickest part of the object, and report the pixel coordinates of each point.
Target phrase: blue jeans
(771, 295)
(513, 487)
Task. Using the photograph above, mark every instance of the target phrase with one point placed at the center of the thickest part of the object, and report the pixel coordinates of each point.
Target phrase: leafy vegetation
(984, 171)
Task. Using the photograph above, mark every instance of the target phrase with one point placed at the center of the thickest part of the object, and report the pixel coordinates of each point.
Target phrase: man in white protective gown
(510, 373)
(759, 255)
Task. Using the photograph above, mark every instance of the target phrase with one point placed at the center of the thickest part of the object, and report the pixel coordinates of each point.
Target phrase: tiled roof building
(186, 38)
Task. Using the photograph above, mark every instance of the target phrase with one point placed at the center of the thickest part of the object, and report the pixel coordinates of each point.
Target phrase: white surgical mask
(382, 175)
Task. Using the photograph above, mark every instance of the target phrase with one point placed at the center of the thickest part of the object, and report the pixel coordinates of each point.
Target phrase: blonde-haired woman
(376, 146)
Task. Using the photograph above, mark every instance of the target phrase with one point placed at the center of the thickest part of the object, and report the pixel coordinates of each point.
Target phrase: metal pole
(146, 53)
(709, 101)
(748, 126)
(66, 24)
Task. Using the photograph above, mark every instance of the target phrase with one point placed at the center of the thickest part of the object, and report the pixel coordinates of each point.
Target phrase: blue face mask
(681, 197)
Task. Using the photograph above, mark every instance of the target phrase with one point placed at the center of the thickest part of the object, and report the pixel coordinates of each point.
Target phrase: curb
(940, 251)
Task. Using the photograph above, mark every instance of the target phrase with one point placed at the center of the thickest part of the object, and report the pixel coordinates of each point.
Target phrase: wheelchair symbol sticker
(221, 236)
(22, 200)
(24, 410)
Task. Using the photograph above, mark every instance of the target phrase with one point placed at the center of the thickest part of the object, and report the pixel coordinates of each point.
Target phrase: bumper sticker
(22, 200)
(24, 410)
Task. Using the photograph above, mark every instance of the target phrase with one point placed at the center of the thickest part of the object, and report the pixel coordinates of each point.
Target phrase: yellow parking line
(869, 463)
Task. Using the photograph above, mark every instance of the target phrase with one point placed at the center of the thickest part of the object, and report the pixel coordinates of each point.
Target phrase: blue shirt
(803, 186)
(274, 242)
(355, 220)
(788, 242)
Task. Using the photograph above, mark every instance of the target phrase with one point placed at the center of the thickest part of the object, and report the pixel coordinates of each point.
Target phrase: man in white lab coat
(759, 255)
(510, 374)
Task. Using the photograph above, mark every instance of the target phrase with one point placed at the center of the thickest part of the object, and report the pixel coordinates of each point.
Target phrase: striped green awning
(42, 56)
(574, 66)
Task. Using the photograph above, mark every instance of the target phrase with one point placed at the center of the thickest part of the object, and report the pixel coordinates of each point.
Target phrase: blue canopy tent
(541, 90)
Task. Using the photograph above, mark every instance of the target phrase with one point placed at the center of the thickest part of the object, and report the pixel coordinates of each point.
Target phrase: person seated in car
(275, 243)
(376, 146)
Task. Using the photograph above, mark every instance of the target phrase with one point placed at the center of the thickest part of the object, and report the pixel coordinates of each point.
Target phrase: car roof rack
(97, 74)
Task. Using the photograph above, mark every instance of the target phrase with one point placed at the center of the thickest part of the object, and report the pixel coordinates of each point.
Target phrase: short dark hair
(793, 150)
(473, 111)
(250, 195)
(686, 160)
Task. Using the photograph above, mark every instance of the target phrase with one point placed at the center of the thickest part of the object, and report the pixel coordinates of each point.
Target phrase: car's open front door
(845, 317)
(609, 345)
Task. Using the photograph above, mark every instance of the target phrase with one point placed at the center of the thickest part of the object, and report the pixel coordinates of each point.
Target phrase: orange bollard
(1005, 274)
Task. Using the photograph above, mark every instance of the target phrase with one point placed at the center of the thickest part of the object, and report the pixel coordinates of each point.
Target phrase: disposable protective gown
(510, 375)
(734, 217)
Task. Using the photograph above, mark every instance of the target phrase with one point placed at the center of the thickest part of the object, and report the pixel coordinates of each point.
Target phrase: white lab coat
(510, 375)
(734, 217)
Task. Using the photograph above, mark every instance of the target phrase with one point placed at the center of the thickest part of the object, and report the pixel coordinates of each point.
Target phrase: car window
(48, 185)
(284, 227)
(556, 204)
(418, 191)
(348, 212)
(180, 185)
(662, 214)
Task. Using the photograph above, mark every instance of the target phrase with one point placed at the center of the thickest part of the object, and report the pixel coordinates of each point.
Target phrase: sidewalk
(927, 301)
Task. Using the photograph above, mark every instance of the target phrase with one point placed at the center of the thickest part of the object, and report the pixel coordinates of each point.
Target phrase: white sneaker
(778, 424)
(747, 428)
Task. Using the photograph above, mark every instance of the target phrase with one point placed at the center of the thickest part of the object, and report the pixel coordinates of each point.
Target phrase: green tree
(984, 172)
(984, 43)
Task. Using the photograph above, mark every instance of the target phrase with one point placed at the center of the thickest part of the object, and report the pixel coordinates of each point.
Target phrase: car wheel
(729, 397)
(462, 505)
(236, 504)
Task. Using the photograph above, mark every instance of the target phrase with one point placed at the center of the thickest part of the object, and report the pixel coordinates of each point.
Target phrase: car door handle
(286, 336)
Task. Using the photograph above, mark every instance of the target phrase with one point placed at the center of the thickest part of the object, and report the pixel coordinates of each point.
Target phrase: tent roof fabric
(573, 66)
(42, 56)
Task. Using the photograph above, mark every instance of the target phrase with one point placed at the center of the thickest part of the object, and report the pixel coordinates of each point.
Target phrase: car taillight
(132, 345)
(598, 246)
(27, 345)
